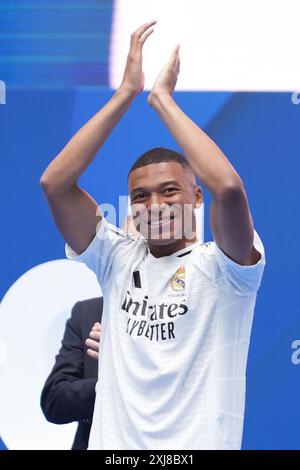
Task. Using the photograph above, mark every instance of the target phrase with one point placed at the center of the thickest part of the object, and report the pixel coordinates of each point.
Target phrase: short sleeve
(101, 252)
(226, 273)
(243, 280)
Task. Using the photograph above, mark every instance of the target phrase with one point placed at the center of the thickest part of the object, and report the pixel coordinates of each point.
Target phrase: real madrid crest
(178, 280)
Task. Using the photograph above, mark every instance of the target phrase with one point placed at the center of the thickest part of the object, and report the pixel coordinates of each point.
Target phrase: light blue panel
(55, 44)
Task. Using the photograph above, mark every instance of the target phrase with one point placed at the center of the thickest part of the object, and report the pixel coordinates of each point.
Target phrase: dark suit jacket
(69, 392)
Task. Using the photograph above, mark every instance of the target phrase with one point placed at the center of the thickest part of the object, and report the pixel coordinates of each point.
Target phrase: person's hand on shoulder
(93, 341)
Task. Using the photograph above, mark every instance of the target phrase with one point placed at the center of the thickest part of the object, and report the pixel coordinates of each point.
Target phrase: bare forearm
(64, 171)
(207, 160)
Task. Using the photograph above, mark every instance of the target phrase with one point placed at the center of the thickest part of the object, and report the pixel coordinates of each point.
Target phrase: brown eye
(168, 190)
(139, 196)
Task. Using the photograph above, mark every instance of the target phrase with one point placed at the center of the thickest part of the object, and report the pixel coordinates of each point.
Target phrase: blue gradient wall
(258, 132)
(55, 43)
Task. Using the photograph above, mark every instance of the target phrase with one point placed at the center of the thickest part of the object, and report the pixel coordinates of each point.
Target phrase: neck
(158, 251)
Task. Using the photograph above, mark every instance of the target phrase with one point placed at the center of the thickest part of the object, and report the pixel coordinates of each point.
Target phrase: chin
(161, 241)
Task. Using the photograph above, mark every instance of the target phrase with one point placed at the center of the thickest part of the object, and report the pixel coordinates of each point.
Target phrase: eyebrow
(161, 186)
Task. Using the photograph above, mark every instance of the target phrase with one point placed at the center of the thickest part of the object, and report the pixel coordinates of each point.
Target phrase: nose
(154, 200)
(156, 205)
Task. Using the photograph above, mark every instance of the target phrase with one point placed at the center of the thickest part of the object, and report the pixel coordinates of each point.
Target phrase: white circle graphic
(32, 321)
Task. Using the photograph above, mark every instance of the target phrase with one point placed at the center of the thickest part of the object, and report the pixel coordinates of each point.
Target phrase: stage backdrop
(258, 131)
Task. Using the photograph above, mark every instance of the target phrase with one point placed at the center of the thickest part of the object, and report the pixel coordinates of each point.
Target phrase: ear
(198, 196)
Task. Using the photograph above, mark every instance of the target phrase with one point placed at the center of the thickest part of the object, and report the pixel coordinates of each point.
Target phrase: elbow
(53, 418)
(54, 188)
(45, 184)
(231, 192)
(51, 414)
(48, 184)
(51, 409)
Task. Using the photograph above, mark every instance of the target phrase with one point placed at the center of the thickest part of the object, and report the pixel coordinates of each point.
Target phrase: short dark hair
(158, 155)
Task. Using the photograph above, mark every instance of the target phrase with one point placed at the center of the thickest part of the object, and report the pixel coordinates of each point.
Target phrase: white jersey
(174, 343)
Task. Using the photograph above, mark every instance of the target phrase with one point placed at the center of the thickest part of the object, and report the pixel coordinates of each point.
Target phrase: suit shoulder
(90, 310)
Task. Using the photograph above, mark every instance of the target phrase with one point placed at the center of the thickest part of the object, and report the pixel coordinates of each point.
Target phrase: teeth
(157, 222)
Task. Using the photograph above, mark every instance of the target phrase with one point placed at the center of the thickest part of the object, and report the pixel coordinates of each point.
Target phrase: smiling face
(163, 197)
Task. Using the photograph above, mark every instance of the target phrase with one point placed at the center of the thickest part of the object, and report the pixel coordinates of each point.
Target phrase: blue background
(51, 92)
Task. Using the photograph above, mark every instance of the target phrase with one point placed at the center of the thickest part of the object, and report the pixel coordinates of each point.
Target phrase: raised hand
(167, 78)
(133, 79)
